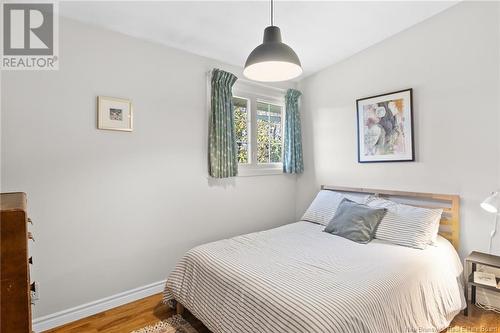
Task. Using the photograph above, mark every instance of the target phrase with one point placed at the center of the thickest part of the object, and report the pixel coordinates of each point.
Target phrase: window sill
(250, 171)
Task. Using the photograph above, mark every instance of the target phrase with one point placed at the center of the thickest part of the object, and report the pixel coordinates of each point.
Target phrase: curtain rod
(257, 84)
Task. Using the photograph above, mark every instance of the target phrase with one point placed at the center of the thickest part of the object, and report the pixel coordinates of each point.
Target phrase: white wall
(112, 210)
(452, 63)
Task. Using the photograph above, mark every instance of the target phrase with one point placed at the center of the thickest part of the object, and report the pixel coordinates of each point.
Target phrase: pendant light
(272, 60)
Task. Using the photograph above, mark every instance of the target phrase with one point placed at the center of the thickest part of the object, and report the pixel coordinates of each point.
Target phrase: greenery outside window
(269, 133)
(242, 126)
(259, 122)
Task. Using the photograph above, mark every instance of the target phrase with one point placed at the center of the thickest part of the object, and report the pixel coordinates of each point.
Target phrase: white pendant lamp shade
(273, 60)
(272, 71)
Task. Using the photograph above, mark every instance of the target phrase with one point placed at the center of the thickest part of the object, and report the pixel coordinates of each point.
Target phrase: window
(269, 137)
(258, 119)
(241, 124)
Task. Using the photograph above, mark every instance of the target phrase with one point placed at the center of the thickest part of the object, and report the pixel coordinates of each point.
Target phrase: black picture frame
(411, 157)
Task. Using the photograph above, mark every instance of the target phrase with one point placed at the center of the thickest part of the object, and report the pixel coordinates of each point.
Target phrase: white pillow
(324, 206)
(406, 225)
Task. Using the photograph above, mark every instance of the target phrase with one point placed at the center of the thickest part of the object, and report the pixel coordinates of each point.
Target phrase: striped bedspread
(296, 278)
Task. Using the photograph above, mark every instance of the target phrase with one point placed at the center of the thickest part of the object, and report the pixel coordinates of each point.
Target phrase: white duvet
(296, 278)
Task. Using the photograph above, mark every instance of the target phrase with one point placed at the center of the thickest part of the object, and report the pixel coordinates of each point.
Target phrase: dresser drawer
(15, 304)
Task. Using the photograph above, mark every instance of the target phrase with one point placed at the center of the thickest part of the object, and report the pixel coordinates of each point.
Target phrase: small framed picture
(385, 128)
(114, 114)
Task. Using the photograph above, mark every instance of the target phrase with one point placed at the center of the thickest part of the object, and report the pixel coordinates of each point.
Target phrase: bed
(296, 278)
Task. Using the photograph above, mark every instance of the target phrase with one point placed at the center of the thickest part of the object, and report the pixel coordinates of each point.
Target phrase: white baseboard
(78, 312)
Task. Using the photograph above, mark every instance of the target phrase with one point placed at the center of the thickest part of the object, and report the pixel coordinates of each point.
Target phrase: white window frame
(253, 94)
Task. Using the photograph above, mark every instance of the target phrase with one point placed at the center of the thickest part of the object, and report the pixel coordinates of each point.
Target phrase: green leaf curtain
(223, 158)
(292, 157)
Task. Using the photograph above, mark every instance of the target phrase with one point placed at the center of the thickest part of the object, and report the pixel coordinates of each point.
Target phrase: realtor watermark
(30, 36)
(456, 329)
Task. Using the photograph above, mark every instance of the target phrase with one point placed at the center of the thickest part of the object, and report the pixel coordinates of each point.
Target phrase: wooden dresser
(15, 296)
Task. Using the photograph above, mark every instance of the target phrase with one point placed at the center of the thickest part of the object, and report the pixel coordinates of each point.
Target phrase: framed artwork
(385, 128)
(114, 114)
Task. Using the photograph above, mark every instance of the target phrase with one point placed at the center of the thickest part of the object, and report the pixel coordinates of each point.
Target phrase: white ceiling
(322, 33)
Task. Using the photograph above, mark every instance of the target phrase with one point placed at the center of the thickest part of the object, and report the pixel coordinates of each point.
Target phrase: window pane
(262, 134)
(241, 127)
(269, 133)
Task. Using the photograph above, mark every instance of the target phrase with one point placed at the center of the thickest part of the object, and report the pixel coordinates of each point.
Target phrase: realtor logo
(29, 36)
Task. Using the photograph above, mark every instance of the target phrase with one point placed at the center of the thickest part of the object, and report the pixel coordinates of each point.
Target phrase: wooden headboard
(450, 203)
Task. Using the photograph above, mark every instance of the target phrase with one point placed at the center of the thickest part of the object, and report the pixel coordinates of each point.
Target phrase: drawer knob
(30, 260)
(30, 236)
(33, 287)
(30, 221)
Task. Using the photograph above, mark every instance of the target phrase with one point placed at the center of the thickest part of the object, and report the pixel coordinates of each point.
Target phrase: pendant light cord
(272, 12)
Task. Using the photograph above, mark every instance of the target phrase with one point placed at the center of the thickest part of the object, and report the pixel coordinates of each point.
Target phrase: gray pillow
(355, 221)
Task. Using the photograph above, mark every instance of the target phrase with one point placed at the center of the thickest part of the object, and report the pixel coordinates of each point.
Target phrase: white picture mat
(104, 106)
(408, 154)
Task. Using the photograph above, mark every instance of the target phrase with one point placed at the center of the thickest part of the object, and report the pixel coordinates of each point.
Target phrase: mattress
(296, 278)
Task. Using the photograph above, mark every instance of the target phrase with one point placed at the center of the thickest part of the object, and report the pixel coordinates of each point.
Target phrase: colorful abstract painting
(385, 128)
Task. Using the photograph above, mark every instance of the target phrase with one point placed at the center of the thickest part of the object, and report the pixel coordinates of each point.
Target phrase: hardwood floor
(147, 311)
(478, 321)
(127, 318)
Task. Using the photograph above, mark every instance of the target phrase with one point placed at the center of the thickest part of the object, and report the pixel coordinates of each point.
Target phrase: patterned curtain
(292, 159)
(223, 159)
